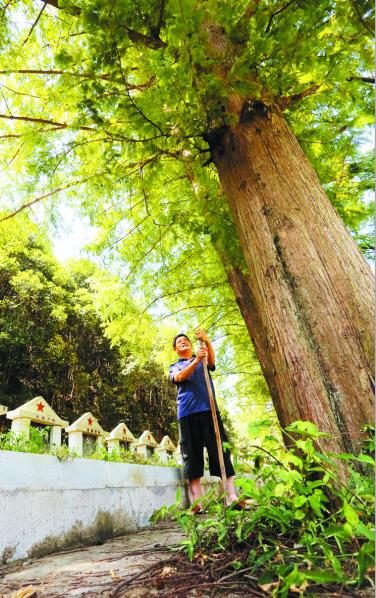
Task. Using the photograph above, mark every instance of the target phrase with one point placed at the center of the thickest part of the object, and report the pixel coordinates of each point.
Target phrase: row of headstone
(86, 434)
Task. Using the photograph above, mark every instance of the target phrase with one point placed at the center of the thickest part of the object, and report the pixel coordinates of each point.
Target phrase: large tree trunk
(308, 302)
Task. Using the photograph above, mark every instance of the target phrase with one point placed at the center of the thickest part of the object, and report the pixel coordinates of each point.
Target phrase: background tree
(54, 341)
(144, 99)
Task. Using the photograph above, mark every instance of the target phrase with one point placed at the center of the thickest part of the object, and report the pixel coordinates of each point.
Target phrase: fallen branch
(133, 578)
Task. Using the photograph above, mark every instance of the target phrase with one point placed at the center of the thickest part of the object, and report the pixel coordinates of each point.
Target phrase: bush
(305, 526)
(38, 442)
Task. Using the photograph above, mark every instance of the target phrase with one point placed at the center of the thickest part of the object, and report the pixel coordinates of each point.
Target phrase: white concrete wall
(47, 505)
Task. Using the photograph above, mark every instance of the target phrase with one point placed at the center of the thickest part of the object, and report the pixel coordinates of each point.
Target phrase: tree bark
(308, 300)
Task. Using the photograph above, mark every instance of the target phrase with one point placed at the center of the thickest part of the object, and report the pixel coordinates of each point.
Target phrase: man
(196, 426)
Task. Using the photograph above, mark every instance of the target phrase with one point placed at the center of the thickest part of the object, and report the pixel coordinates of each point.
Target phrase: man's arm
(184, 374)
(202, 336)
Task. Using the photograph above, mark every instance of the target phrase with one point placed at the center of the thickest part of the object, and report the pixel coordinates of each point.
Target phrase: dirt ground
(91, 570)
(141, 564)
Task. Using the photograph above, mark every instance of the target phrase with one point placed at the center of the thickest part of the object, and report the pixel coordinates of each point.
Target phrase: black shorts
(197, 431)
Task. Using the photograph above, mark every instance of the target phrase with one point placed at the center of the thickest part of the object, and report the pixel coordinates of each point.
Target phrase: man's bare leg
(230, 490)
(195, 489)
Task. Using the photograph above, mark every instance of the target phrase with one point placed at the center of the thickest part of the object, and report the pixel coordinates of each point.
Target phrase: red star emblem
(124, 430)
(90, 421)
(40, 406)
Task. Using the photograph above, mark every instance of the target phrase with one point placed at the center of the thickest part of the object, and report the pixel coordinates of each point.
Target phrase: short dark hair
(176, 338)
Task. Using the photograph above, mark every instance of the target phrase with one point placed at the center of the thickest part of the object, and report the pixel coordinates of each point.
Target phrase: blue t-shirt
(193, 396)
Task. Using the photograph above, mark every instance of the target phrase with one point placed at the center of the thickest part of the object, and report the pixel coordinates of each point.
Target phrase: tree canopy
(114, 107)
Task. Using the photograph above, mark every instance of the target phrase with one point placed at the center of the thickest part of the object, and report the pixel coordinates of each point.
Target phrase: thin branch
(148, 210)
(158, 28)
(142, 258)
(363, 79)
(118, 203)
(250, 10)
(277, 12)
(10, 136)
(9, 3)
(18, 136)
(187, 258)
(20, 93)
(221, 318)
(287, 101)
(5, 101)
(132, 140)
(190, 307)
(104, 76)
(191, 288)
(361, 19)
(129, 232)
(45, 121)
(70, 149)
(34, 24)
(155, 43)
(58, 190)
(14, 156)
(138, 165)
(70, 9)
(144, 40)
(130, 97)
(132, 578)
(260, 448)
(208, 317)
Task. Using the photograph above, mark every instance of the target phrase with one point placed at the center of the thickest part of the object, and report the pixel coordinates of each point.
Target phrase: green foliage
(121, 101)
(135, 108)
(38, 442)
(56, 334)
(306, 526)
(123, 456)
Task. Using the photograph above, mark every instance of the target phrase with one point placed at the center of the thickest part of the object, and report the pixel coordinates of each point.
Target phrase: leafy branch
(46, 122)
(49, 194)
(277, 12)
(94, 76)
(150, 41)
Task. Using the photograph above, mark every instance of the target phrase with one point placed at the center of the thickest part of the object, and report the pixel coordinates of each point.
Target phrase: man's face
(183, 347)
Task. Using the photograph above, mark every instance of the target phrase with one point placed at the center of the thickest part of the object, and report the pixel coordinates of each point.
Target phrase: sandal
(197, 510)
(239, 505)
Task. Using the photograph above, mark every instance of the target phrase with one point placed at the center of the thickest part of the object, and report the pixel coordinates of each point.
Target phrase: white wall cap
(3, 409)
(39, 411)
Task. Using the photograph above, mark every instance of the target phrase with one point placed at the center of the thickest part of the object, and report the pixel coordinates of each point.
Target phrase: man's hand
(201, 335)
(202, 353)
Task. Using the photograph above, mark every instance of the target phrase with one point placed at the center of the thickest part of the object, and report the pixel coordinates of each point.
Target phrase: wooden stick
(215, 421)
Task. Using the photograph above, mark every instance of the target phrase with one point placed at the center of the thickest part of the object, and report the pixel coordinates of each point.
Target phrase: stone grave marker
(146, 444)
(166, 449)
(177, 455)
(85, 434)
(120, 438)
(39, 412)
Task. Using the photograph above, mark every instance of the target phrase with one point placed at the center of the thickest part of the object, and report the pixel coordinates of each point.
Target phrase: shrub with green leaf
(306, 526)
(38, 442)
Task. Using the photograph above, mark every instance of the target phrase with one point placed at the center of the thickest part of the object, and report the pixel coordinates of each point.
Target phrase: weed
(305, 526)
(38, 442)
